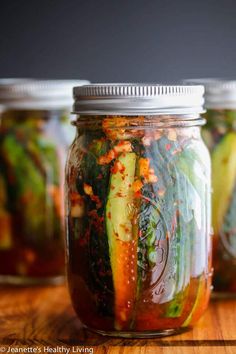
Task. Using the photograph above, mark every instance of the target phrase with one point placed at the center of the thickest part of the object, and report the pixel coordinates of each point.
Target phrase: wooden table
(42, 317)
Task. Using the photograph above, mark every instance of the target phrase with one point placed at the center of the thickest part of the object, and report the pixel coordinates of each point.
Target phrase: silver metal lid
(133, 99)
(219, 93)
(37, 94)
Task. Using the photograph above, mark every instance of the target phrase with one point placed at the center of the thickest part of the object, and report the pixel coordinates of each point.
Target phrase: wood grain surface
(42, 317)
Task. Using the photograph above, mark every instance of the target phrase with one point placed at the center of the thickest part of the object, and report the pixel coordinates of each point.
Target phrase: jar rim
(140, 98)
(130, 122)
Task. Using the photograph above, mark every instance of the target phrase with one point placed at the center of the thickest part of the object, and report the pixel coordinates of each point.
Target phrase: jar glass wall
(34, 139)
(138, 223)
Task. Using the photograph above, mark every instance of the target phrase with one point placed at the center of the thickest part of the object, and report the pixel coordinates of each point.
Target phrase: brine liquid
(95, 308)
(138, 226)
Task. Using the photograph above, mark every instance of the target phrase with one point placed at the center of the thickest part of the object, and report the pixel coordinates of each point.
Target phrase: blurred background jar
(220, 136)
(34, 137)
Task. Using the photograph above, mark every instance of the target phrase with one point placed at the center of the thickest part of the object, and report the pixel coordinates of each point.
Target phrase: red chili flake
(96, 221)
(118, 167)
(120, 195)
(123, 146)
(137, 185)
(95, 199)
(109, 215)
(146, 172)
(30, 256)
(167, 235)
(99, 205)
(168, 147)
(88, 189)
(137, 194)
(82, 242)
(75, 197)
(107, 158)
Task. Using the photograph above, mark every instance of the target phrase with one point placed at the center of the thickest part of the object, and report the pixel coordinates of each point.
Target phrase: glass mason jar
(138, 209)
(220, 136)
(34, 137)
